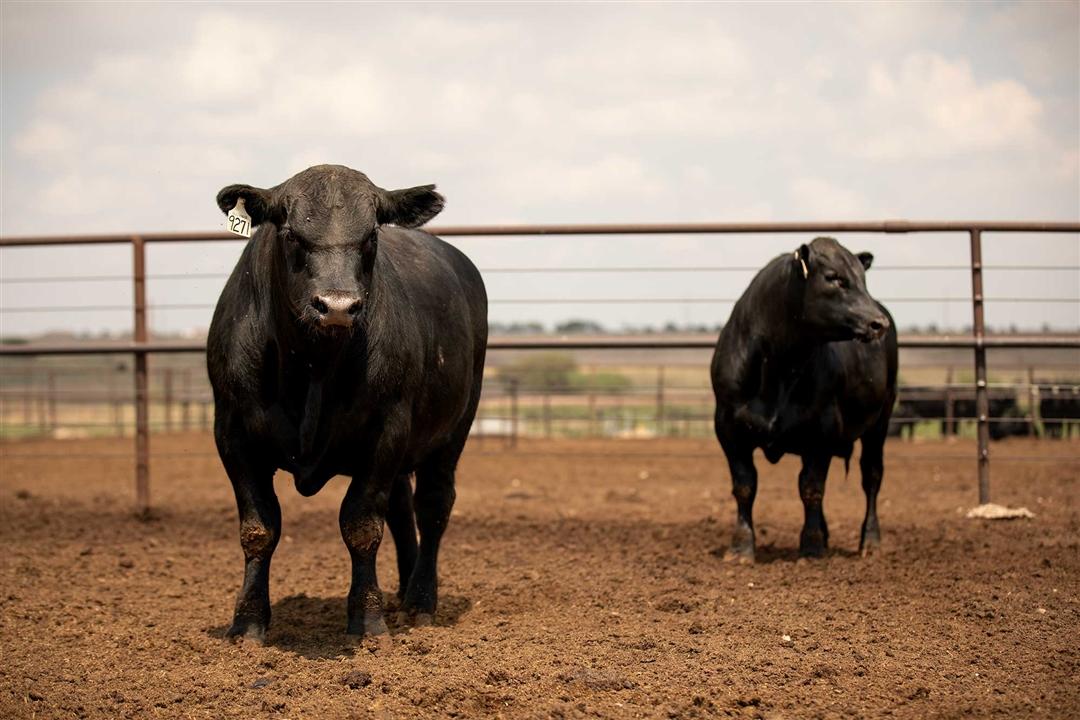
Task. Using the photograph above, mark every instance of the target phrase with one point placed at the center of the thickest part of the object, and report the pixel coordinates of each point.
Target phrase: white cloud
(46, 137)
(609, 179)
(932, 107)
(817, 198)
(229, 60)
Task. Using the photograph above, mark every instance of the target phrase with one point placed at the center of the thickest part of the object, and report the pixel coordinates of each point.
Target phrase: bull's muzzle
(874, 329)
(336, 309)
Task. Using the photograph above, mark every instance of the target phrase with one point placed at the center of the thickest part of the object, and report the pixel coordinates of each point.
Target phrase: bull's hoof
(419, 602)
(870, 543)
(372, 625)
(247, 631)
(742, 545)
(813, 547)
(740, 556)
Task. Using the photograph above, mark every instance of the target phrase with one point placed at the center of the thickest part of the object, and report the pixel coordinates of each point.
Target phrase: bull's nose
(336, 308)
(878, 326)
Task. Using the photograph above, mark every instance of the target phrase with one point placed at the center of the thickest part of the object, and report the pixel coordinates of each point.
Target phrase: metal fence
(142, 346)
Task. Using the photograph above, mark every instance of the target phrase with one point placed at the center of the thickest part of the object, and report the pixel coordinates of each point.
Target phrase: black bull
(806, 364)
(342, 345)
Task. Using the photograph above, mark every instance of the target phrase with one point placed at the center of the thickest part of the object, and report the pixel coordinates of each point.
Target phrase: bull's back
(439, 276)
(448, 314)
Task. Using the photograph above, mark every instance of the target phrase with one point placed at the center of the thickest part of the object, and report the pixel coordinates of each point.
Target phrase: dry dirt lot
(579, 579)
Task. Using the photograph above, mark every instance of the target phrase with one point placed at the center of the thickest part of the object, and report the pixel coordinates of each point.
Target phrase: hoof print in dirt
(356, 680)
(597, 679)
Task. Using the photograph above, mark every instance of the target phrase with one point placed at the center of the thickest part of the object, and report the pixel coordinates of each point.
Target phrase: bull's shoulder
(238, 337)
(422, 247)
(436, 279)
(736, 364)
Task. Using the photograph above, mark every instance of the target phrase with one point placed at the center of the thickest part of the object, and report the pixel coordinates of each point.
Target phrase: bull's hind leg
(814, 540)
(744, 488)
(401, 521)
(434, 499)
(872, 465)
(260, 528)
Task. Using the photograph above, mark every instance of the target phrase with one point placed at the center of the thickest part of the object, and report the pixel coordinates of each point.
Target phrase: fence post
(547, 411)
(117, 407)
(982, 401)
(950, 411)
(1033, 404)
(51, 395)
(168, 398)
(660, 401)
(513, 413)
(185, 401)
(592, 415)
(42, 413)
(142, 394)
(28, 398)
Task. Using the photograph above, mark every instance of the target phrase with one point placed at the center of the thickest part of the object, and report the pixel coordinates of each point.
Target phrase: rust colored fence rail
(142, 346)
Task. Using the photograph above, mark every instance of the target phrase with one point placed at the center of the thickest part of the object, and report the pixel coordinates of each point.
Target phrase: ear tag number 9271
(238, 221)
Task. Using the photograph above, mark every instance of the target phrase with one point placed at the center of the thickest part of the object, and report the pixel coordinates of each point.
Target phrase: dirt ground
(578, 579)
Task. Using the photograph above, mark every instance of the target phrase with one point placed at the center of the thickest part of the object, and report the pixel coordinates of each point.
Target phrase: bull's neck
(777, 323)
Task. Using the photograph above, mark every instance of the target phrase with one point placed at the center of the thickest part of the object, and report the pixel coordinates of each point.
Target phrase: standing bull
(343, 345)
(806, 364)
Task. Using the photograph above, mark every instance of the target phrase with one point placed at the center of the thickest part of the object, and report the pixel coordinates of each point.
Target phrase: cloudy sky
(129, 117)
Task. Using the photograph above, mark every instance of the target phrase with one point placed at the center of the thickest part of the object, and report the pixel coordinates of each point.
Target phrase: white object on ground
(993, 511)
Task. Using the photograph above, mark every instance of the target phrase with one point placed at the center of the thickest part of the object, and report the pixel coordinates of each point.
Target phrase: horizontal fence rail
(564, 342)
(140, 346)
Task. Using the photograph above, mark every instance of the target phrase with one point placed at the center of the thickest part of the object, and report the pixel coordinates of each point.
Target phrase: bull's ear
(411, 207)
(257, 201)
(866, 259)
(802, 259)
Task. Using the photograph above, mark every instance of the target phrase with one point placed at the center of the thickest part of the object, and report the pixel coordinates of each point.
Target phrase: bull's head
(835, 302)
(325, 229)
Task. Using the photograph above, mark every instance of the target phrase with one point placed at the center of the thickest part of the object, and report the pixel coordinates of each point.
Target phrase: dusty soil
(579, 579)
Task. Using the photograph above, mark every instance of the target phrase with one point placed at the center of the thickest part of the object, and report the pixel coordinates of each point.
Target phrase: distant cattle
(806, 364)
(1059, 407)
(345, 344)
(932, 404)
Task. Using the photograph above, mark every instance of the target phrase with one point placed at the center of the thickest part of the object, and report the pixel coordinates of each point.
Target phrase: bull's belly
(820, 433)
(806, 445)
(346, 456)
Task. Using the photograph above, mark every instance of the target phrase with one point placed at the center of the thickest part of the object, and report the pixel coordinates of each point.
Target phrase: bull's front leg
(363, 512)
(814, 540)
(744, 488)
(260, 529)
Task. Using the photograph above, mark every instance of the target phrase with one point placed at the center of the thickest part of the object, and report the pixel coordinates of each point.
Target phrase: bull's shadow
(770, 553)
(314, 627)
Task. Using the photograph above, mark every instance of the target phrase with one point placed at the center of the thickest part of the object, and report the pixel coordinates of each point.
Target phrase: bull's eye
(295, 250)
(837, 280)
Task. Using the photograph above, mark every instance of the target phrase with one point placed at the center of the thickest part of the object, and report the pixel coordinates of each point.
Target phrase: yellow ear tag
(805, 270)
(238, 221)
